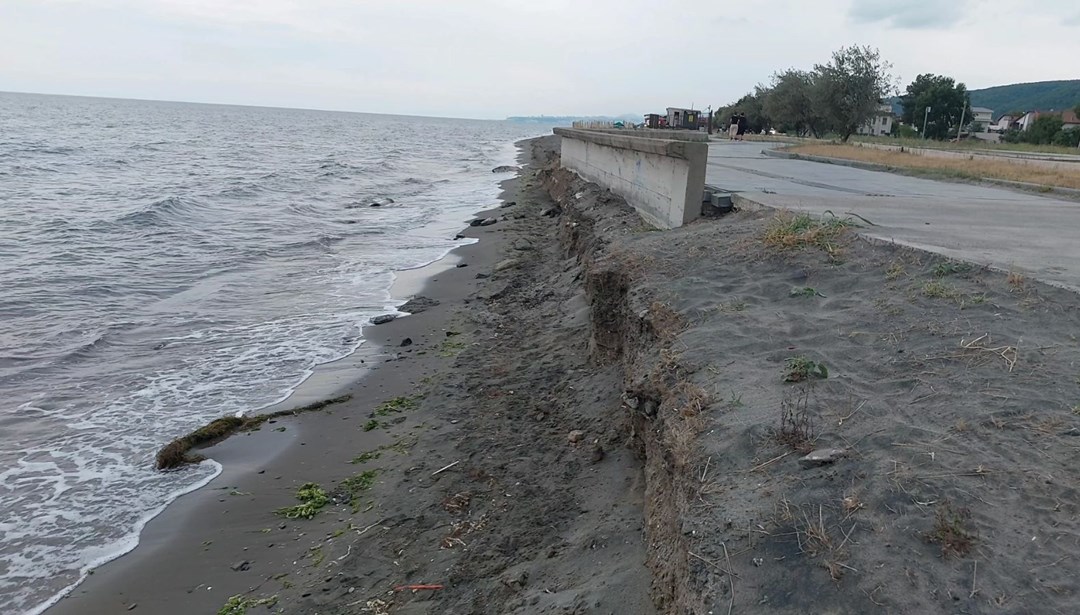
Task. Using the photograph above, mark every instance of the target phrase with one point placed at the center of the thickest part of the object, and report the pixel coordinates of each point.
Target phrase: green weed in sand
(371, 425)
(312, 498)
(805, 292)
(948, 268)
(936, 289)
(361, 482)
(451, 348)
(238, 605)
(801, 369)
(366, 457)
(396, 405)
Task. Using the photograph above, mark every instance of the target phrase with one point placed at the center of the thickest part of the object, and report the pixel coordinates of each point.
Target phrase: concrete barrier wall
(656, 133)
(664, 180)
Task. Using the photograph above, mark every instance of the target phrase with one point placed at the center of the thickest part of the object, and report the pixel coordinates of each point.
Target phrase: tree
(948, 101)
(752, 104)
(1043, 129)
(789, 103)
(849, 89)
(1067, 137)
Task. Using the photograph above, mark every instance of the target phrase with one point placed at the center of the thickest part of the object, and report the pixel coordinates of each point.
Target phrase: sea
(164, 264)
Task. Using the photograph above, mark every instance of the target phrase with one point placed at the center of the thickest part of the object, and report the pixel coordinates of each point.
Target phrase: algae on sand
(312, 499)
(178, 452)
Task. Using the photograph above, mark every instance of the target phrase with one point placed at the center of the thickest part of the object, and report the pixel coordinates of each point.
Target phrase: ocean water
(163, 264)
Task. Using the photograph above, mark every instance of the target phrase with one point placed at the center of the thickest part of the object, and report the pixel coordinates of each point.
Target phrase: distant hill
(1043, 95)
(567, 119)
(1039, 96)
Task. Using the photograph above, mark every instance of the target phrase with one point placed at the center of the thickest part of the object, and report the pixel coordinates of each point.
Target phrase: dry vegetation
(1003, 169)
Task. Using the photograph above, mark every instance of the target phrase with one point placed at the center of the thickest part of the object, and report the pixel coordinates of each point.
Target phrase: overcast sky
(493, 58)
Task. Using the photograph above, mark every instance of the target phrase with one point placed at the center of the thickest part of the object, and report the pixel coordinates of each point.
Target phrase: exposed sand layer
(614, 422)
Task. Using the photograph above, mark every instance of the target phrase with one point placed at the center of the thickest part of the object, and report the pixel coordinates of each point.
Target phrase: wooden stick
(730, 579)
(441, 470)
(771, 461)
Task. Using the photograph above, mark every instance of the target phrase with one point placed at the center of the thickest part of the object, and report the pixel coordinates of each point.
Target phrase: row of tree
(836, 97)
(846, 93)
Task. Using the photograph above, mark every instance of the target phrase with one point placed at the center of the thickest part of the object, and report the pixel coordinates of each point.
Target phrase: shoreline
(245, 459)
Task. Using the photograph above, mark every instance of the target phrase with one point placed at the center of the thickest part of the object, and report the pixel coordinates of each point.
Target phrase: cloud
(1073, 21)
(910, 15)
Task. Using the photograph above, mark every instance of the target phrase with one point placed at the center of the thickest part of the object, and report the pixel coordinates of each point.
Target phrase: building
(1005, 122)
(683, 118)
(1068, 119)
(881, 124)
(983, 117)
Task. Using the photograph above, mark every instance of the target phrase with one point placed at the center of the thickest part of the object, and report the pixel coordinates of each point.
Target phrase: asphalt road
(998, 227)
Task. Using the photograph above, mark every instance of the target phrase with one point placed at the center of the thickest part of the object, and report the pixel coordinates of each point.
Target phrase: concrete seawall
(656, 133)
(663, 179)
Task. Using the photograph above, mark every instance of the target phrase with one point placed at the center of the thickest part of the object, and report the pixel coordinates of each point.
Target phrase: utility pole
(963, 114)
(710, 119)
(926, 116)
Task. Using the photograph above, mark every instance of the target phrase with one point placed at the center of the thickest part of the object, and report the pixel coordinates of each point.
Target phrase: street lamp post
(926, 116)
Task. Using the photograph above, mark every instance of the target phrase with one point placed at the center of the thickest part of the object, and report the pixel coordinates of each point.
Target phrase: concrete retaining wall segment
(657, 133)
(664, 180)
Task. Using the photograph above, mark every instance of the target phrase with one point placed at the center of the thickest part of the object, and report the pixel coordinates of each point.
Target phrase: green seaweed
(238, 604)
(312, 499)
(178, 452)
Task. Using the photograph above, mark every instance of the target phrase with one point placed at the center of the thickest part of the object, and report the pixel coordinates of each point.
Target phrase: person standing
(740, 126)
(733, 127)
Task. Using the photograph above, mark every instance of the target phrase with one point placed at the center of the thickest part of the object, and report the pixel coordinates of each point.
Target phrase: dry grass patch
(952, 530)
(794, 231)
(1005, 169)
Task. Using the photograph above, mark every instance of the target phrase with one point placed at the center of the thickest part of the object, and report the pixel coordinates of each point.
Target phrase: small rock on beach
(506, 168)
(823, 456)
(382, 320)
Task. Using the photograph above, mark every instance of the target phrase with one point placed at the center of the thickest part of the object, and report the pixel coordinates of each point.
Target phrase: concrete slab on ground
(997, 227)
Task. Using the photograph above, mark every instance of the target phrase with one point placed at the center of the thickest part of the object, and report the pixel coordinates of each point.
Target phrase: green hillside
(1044, 95)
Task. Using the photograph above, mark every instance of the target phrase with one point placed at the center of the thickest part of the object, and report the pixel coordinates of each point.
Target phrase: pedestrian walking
(740, 126)
(733, 127)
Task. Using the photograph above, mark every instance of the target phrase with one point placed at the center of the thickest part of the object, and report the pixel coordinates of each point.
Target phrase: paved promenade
(1037, 235)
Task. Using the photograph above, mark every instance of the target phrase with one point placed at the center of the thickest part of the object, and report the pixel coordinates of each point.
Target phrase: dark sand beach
(615, 420)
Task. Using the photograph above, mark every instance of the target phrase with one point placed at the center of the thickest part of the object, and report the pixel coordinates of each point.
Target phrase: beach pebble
(575, 436)
(459, 236)
(241, 566)
(488, 221)
(506, 168)
(823, 456)
(382, 320)
(406, 342)
(477, 221)
(482, 276)
(597, 454)
(461, 265)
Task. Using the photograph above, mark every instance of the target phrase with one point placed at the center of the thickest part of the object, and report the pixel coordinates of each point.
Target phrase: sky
(496, 58)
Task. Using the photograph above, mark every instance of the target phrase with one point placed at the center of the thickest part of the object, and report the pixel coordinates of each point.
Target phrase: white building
(983, 117)
(881, 124)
